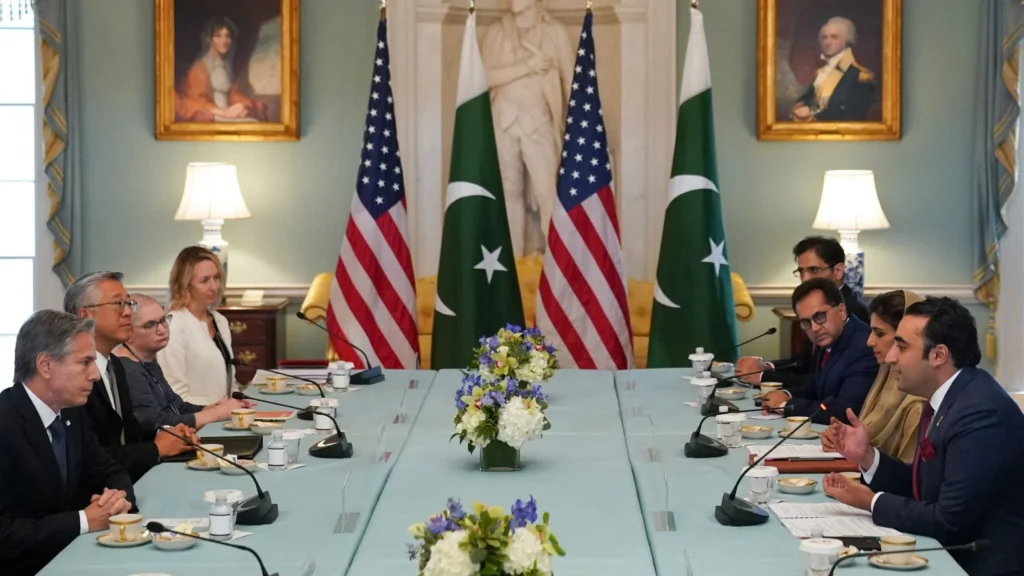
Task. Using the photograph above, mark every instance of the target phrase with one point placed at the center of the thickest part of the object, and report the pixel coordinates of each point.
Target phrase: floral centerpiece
(501, 403)
(488, 541)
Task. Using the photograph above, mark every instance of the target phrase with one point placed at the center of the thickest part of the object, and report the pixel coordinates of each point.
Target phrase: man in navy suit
(56, 482)
(844, 365)
(965, 481)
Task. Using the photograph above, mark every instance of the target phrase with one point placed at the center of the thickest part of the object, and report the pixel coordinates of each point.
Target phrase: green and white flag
(477, 286)
(693, 302)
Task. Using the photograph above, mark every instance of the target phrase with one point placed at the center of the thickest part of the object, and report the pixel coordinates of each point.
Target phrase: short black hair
(889, 307)
(949, 324)
(833, 297)
(828, 249)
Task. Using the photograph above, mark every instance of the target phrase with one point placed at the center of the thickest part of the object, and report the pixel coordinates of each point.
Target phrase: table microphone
(319, 386)
(371, 375)
(157, 527)
(737, 511)
(976, 546)
(767, 332)
(334, 446)
(713, 405)
(253, 511)
(701, 446)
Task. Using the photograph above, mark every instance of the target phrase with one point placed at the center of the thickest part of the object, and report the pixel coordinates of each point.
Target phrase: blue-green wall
(299, 192)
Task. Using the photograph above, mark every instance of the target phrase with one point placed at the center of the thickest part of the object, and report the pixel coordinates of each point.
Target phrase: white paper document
(834, 519)
(795, 452)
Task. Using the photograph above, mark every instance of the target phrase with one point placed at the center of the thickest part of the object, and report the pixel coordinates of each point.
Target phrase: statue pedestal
(636, 57)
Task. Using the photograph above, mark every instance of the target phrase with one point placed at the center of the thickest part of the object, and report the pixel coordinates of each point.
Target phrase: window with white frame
(18, 149)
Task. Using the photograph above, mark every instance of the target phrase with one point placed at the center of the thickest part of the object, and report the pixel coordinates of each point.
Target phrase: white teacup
(243, 417)
(208, 459)
(896, 544)
(768, 387)
(794, 422)
(125, 527)
(277, 384)
(729, 425)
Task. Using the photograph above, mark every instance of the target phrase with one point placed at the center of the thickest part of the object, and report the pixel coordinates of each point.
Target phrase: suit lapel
(935, 428)
(35, 435)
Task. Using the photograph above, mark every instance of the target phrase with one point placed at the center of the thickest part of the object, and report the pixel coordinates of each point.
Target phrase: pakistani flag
(693, 305)
(477, 287)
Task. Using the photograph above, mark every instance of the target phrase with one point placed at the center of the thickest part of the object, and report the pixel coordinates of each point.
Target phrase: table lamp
(212, 196)
(849, 204)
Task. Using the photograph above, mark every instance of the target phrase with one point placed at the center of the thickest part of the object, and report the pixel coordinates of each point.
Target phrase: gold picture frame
(227, 70)
(866, 103)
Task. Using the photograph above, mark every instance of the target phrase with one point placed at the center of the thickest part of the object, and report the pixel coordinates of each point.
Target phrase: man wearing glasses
(155, 403)
(844, 365)
(816, 257)
(101, 297)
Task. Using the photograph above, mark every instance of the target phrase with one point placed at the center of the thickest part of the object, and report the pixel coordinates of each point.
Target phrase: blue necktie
(60, 446)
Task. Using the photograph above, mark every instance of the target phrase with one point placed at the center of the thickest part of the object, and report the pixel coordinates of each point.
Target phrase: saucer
(796, 485)
(307, 390)
(266, 428)
(285, 391)
(230, 470)
(734, 393)
(231, 426)
(754, 432)
(105, 539)
(198, 464)
(808, 435)
(172, 542)
(916, 563)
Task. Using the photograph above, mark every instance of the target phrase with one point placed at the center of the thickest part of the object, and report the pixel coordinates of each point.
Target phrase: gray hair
(80, 294)
(46, 332)
(848, 27)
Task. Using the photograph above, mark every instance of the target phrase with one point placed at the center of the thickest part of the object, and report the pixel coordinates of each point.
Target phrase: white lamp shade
(849, 201)
(211, 193)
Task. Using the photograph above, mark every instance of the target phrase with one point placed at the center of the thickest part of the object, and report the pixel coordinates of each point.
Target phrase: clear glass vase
(499, 457)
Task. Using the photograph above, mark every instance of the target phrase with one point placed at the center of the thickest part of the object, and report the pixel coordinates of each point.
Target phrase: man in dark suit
(842, 90)
(845, 367)
(964, 482)
(101, 297)
(56, 482)
(816, 257)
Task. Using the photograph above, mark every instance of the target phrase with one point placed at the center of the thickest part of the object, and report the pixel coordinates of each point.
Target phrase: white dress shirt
(102, 362)
(830, 65)
(192, 363)
(935, 401)
(47, 415)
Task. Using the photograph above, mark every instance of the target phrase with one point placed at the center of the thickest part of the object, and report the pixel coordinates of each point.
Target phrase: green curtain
(995, 143)
(61, 130)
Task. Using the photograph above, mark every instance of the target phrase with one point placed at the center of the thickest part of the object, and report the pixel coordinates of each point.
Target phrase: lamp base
(213, 240)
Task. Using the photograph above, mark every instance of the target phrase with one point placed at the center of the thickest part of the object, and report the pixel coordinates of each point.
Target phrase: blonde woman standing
(197, 360)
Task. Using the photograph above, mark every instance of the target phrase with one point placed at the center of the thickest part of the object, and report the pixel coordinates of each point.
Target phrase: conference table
(611, 472)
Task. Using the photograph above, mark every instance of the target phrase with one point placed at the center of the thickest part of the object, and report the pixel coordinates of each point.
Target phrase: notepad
(833, 518)
(794, 452)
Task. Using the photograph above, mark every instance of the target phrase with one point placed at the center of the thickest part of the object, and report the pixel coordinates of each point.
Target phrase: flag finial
(590, 5)
(472, 6)
(695, 4)
(383, 8)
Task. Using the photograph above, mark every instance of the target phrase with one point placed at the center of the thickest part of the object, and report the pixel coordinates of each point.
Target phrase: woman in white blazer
(197, 360)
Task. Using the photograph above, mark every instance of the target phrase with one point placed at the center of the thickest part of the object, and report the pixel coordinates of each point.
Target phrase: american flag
(581, 303)
(373, 295)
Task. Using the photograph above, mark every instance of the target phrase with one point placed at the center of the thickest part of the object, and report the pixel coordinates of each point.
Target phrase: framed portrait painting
(828, 69)
(227, 69)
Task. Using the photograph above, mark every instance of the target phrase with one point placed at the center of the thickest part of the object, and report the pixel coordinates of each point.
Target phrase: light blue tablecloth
(309, 498)
(578, 472)
(696, 486)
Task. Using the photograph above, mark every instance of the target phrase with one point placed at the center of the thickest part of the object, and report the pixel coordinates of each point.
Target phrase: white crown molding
(763, 294)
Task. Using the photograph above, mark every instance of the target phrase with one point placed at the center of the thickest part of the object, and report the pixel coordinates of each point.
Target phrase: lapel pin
(67, 422)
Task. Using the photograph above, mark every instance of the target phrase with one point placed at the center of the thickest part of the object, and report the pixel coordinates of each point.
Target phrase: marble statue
(529, 58)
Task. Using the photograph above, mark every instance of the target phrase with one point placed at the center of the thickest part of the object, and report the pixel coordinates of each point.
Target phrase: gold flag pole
(383, 9)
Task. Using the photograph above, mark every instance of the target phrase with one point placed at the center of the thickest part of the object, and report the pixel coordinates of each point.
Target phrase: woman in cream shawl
(890, 416)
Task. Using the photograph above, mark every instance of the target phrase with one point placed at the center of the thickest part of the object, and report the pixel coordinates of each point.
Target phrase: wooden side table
(791, 337)
(257, 332)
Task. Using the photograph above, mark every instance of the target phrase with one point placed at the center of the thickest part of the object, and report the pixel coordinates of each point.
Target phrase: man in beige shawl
(529, 60)
(890, 416)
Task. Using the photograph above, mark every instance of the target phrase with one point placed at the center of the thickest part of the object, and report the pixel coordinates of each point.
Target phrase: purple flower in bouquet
(458, 399)
(455, 509)
(439, 524)
(492, 398)
(513, 328)
(523, 514)
(536, 392)
(532, 333)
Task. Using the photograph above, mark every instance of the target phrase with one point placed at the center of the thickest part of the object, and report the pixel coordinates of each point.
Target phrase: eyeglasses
(121, 305)
(818, 318)
(152, 324)
(812, 270)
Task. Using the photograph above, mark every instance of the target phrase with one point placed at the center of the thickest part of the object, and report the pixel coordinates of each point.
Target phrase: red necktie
(824, 358)
(922, 433)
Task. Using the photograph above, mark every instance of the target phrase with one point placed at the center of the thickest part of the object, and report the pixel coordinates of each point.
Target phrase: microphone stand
(334, 446)
(739, 512)
(319, 386)
(160, 528)
(256, 510)
(971, 547)
(371, 375)
(701, 446)
(767, 332)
